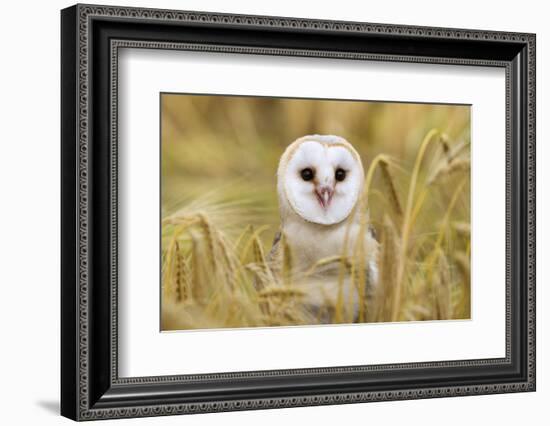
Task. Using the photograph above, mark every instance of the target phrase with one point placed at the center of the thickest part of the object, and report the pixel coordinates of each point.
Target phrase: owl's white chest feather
(310, 243)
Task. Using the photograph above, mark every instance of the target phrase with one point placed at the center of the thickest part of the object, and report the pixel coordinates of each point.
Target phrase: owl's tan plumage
(319, 182)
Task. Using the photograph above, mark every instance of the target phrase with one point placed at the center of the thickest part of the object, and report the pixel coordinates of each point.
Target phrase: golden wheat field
(220, 213)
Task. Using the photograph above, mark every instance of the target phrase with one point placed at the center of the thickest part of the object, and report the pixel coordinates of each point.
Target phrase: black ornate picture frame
(91, 37)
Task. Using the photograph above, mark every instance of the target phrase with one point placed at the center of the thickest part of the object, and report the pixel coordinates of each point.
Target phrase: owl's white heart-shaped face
(322, 177)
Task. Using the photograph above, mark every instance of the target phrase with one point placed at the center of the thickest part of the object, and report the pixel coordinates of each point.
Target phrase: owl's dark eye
(307, 174)
(340, 175)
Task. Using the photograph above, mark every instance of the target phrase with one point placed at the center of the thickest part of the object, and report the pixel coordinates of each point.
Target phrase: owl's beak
(324, 195)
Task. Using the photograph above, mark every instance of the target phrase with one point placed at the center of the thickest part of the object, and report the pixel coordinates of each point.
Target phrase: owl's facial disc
(322, 182)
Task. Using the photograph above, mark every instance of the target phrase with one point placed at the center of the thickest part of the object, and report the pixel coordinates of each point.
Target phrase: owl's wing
(273, 253)
(372, 245)
(372, 232)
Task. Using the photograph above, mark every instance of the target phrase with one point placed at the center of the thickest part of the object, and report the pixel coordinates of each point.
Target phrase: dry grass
(215, 272)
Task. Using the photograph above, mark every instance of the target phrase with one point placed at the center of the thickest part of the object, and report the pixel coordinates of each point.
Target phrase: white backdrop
(146, 352)
(29, 225)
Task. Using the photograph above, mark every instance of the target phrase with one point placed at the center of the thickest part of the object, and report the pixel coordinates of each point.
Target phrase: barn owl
(320, 180)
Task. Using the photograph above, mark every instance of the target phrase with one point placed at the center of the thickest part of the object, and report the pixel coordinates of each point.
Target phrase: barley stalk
(462, 260)
(392, 190)
(406, 227)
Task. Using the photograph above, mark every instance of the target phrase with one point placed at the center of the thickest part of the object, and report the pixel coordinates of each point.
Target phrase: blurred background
(229, 146)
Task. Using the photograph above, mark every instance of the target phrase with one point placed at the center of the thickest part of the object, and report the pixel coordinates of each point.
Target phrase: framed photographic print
(263, 212)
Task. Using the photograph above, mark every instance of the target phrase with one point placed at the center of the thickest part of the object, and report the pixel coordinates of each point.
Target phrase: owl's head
(320, 178)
